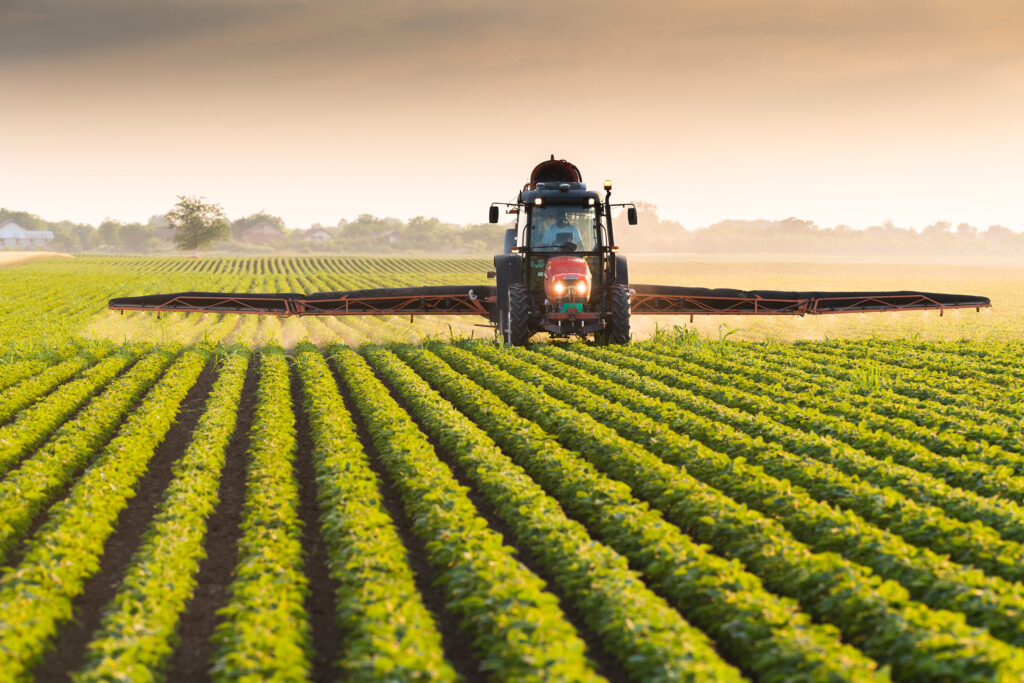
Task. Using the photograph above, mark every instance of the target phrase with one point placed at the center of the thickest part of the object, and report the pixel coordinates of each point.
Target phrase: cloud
(45, 29)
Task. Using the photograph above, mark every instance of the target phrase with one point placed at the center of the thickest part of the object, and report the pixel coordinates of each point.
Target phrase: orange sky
(848, 112)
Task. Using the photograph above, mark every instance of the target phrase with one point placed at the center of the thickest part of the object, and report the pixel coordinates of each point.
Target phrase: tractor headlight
(559, 288)
(581, 288)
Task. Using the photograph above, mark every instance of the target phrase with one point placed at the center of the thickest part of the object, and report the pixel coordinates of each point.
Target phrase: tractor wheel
(618, 326)
(517, 328)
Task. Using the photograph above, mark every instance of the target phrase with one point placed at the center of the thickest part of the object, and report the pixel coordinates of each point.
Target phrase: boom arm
(480, 300)
(440, 300)
(668, 300)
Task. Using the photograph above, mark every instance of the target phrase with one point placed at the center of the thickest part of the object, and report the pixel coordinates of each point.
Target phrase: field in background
(61, 299)
(10, 258)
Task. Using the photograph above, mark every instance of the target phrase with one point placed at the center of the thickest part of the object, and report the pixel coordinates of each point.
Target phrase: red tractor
(560, 272)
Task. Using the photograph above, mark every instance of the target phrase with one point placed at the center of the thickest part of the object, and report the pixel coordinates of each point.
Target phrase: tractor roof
(560, 193)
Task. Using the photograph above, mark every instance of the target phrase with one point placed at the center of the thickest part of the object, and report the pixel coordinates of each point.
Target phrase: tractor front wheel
(517, 328)
(618, 326)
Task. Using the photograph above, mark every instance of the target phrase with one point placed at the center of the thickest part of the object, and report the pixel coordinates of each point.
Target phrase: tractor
(561, 272)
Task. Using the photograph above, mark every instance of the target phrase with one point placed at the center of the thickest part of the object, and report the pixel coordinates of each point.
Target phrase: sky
(848, 112)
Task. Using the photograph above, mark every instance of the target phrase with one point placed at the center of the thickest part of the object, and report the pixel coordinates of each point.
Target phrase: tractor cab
(557, 229)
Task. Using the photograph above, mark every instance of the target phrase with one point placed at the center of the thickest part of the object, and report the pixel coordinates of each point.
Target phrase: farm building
(13, 235)
(317, 235)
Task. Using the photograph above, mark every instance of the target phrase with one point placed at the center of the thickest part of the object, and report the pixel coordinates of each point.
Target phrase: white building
(13, 235)
(317, 235)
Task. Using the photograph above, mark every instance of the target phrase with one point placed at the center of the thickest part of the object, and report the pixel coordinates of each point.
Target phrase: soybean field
(232, 498)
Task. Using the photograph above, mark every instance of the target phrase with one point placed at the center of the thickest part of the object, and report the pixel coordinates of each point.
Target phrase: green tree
(196, 223)
(238, 227)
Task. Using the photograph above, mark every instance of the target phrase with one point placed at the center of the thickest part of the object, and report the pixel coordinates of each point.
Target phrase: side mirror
(493, 216)
(630, 215)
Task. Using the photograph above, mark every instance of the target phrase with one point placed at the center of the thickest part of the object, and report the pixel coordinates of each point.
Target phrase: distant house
(13, 235)
(263, 233)
(317, 235)
(391, 236)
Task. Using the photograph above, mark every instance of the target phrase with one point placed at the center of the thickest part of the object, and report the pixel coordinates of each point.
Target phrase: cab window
(563, 228)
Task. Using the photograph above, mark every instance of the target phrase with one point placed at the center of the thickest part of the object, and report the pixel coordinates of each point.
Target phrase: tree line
(797, 236)
(372, 234)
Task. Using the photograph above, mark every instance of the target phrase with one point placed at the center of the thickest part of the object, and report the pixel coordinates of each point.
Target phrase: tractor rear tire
(618, 326)
(517, 329)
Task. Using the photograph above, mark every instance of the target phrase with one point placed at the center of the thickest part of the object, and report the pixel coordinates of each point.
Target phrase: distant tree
(158, 220)
(239, 226)
(937, 228)
(110, 232)
(196, 223)
(27, 220)
(966, 231)
(137, 237)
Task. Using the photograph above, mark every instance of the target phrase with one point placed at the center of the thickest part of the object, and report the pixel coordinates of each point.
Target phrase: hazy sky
(854, 111)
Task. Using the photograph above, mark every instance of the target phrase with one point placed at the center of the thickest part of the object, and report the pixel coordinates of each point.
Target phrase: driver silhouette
(561, 231)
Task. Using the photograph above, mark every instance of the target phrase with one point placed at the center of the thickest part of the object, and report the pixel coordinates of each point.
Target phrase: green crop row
(650, 641)
(389, 635)
(766, 635)
(264, 633)
(29, 390)
(763, 398)
(518, 630)
(15, 371)
(991, 602)
(826, 371)
(34, 424)
(925, 525)
(821, 379)
(878, 617)
(138, 631)
(36, 595)
(949, 368)
(32, 486)
(782, 388)
(1006, 517)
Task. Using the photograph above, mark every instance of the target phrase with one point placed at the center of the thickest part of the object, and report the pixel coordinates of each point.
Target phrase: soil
(100, 589)
(191, 660)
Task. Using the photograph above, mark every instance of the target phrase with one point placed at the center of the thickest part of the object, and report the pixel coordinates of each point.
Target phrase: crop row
(995, 363)
(760, 432)
(37, 422)
(389, 634)
(990, 601)
(960, 384)
(878, 617)
(28, 391)
(783, 387)
(826, 377)
(924, 524)
(519, 631)
(778, 404)
(760, 631)
(645, 635)
(42, 476)
(36, 595)
(137, 633)
(14, 371)
(264, 631)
